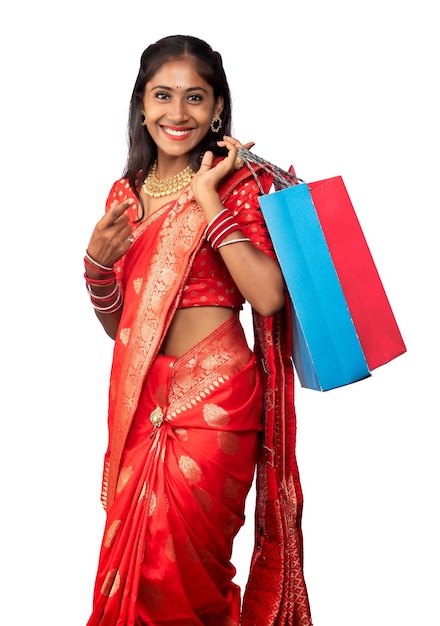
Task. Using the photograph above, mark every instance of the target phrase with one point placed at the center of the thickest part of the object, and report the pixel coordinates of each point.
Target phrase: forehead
(180, 73)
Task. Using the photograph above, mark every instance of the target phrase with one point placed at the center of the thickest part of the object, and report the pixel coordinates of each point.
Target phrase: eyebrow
(198, 88)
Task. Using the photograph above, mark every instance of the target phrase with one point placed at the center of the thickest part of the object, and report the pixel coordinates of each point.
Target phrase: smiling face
(178, 105)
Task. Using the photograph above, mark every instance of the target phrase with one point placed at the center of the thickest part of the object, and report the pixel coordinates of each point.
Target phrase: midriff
(191, 325)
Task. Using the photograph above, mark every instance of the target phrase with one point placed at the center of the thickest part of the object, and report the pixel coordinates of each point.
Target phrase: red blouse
(209, 282)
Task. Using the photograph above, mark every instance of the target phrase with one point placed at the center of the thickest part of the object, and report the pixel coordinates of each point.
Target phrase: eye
(161, 95)
(195, 97)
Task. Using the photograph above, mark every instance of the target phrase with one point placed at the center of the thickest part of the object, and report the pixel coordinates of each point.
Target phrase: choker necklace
(156, 188)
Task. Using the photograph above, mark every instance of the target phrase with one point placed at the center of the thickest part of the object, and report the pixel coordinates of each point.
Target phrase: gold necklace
(156, 188)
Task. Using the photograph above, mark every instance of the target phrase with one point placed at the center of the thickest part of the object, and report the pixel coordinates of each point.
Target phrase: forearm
(257, 276)
(110, 322)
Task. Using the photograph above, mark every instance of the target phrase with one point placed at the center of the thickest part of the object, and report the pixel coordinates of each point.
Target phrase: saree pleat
(180, 497)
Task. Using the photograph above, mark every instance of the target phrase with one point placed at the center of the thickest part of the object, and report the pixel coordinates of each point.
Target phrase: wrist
(102, 286)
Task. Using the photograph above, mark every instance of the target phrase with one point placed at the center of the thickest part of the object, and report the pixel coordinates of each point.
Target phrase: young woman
(192, 409)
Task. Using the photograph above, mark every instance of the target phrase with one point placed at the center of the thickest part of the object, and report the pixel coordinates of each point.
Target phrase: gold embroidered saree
(184, 438)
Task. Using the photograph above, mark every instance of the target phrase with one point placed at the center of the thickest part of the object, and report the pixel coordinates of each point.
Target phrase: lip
(177, 133)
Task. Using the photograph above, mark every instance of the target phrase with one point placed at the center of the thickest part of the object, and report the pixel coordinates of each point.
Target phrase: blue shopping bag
(326, 349)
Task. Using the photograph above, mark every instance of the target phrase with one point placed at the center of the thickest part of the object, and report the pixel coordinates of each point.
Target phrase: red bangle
(97, 267)
(111, 308)
(222, 225)
(100, 282)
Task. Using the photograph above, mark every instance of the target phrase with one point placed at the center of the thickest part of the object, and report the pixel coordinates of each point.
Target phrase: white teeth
(176, 133)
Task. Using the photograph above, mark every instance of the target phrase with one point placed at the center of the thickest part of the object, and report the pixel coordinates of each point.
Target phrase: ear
(218, 108)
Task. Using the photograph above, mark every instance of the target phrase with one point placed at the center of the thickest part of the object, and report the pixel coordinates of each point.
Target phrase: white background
(334, 87)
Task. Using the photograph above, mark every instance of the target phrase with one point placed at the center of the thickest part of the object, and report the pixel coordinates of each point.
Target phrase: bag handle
(282, 178)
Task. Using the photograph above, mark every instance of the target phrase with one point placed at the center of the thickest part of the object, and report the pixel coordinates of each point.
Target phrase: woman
(181, 246)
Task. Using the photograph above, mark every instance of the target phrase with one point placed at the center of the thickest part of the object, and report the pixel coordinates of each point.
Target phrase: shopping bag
(343, 325)
(369, 306)
(326, 349)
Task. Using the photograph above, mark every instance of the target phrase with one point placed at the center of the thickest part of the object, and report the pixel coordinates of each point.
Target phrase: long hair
(142, 150)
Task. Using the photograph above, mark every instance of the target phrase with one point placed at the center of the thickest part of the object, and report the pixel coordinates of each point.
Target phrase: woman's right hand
(111, 237)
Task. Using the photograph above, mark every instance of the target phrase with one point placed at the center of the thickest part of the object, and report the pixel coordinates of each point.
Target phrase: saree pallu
(181, 492)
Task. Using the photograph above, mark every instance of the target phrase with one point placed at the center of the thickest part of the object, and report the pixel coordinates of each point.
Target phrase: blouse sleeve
(245, 205)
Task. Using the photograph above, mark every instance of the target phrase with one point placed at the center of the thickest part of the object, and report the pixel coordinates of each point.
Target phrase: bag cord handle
(282, 179)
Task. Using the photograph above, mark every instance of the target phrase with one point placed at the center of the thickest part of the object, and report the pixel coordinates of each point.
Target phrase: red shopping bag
(369, 306)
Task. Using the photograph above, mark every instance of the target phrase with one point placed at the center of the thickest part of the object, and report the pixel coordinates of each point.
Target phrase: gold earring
(143, 123)
(216, 124)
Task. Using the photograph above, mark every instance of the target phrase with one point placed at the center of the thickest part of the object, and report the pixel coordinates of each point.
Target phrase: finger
(117, 209)
(207, 161)
(232, 141)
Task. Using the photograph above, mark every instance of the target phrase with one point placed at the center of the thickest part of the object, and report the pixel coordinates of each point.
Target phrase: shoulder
(120, 191)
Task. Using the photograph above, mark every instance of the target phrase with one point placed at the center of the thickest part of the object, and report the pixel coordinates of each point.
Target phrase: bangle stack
(222, 225)
(103, 302)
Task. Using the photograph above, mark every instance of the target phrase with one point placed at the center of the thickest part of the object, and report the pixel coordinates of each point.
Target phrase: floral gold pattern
(152, 506)
(124, 477)
(111, 532)
(124, 335)
(228, 442)
(111, 583)
(189, 468)
(215, 416)
(169, 548)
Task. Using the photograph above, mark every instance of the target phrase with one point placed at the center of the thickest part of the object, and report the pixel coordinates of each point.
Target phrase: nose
(177, 111)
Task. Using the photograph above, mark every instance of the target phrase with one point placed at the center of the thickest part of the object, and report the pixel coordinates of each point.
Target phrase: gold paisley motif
(169, 548)
(143, 493)
(214, 415)
(228, 443)
(124, 335)
(111, 533)
(189, 468)
(151, 596)
(232, 488)
(153, 502)
(124, 477)
(203, 498)
(111, 583)
(231, 527)
(137, 284)
(182, 433)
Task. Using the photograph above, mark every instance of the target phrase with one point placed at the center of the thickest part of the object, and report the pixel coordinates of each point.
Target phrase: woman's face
(179, 106)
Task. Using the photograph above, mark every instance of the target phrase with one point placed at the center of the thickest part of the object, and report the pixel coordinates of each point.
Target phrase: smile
(175, 132)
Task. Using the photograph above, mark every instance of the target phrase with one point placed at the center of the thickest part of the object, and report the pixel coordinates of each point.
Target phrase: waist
(226, 346)
(192, 325)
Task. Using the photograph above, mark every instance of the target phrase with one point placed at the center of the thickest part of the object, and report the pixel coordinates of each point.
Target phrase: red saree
(184, 437)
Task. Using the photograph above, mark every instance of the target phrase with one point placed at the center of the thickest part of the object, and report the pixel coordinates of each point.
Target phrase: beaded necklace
(156, 188)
